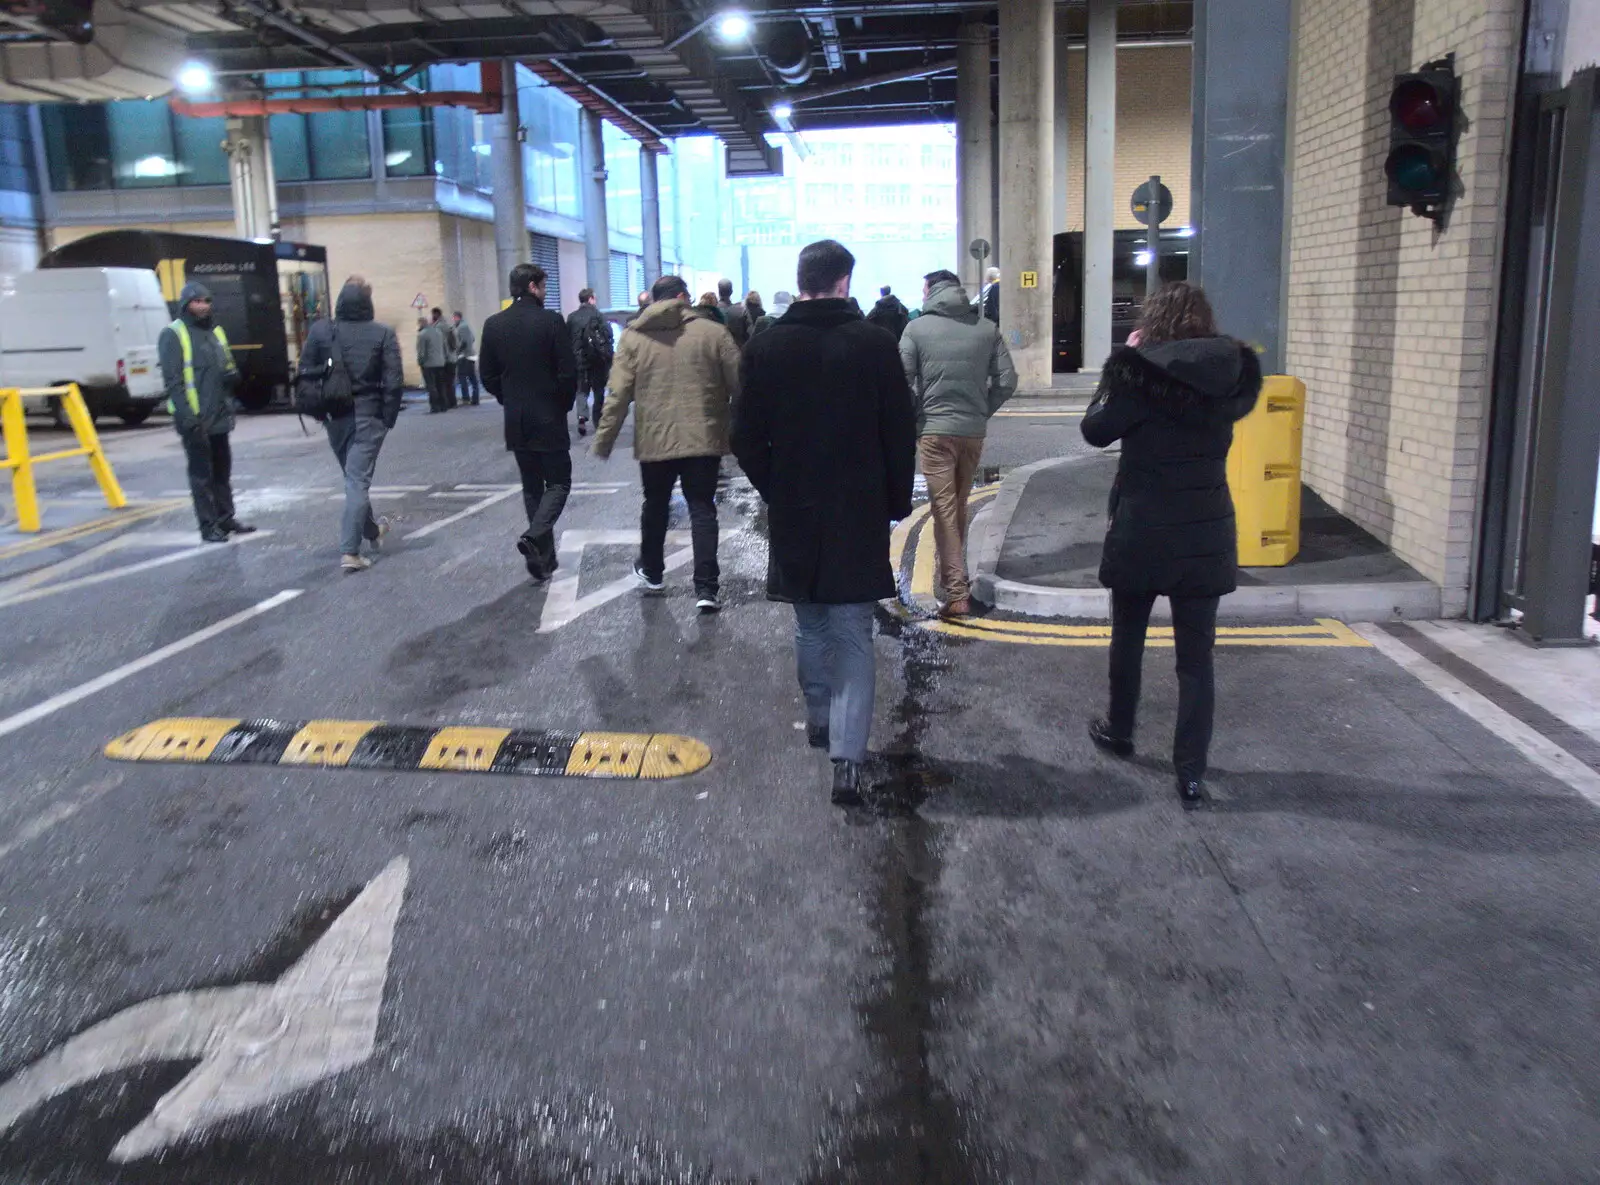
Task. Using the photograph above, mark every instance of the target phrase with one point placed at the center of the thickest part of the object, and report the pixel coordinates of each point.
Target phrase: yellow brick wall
(1389, 321)
(1152, 129)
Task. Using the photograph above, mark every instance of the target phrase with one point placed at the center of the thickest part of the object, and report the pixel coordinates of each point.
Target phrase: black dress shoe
(1100, 734)
(234, 527)
(817, 736)
(214, 535)
(847, 779)
(1192, 793)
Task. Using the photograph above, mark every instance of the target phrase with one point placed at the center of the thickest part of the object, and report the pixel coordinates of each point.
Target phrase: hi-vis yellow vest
(181, 328)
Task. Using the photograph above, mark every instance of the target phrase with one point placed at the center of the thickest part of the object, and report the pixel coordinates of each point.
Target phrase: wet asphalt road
(1375, 960)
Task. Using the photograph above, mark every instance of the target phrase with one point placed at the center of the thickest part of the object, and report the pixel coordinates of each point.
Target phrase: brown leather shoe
(961, 608)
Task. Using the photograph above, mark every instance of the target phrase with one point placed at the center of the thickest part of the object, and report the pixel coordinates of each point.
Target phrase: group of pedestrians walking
(828, 412)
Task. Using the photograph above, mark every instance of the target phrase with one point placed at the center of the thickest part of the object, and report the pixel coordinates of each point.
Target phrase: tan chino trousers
(949, 463)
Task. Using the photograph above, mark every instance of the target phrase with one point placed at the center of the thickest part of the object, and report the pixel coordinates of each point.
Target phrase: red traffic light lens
(1413, 168)
(1418, 107)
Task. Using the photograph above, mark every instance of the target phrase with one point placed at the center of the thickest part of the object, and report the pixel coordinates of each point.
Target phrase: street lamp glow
(195, 78)
(733, 26)
(783, 111)
(1142, 259)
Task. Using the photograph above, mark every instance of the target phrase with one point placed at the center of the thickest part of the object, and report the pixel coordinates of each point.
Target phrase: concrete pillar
(650, 206)
(1238, 153)
(1099, 182)
(511, 245)
(596, 230)
(1058, 212)
(974, 151)
(1027, 171)
(255, 187)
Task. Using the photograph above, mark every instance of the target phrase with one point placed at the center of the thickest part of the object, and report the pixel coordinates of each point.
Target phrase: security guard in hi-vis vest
(200, 377)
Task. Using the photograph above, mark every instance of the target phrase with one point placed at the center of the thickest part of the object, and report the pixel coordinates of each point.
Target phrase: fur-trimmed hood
(1198, 381)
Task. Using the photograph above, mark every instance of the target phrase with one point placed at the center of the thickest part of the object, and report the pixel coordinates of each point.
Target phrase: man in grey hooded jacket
(371, 355)
(960, 374)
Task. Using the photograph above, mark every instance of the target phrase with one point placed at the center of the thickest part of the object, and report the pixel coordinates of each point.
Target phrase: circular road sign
(979, 248)
(1141, 204)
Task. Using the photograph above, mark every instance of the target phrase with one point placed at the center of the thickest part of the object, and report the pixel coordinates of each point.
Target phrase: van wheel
(134, 416)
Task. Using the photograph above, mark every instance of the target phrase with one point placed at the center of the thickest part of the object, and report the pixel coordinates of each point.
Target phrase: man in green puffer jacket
(960, 374)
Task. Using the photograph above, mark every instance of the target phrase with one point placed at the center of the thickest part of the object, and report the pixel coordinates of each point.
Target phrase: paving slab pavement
(1036, 551)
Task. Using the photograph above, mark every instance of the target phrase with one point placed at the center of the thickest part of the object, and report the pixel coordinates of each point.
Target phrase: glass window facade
(550, 159)
(624, 212)
(141, 144)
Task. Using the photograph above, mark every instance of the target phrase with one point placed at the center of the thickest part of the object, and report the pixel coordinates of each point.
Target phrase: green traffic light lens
(1412, 169)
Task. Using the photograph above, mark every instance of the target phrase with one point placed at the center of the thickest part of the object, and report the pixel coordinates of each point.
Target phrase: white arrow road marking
(256, 1042)
(561, 604)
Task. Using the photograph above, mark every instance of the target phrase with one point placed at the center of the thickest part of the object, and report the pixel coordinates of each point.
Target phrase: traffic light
(1422, 139)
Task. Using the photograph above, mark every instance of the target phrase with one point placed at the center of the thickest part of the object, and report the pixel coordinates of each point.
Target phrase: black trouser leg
(1130, 618)
(1194, 627)
(222, 476)
(598, 383)
(546, 482)
(699, 475)
(197, 452)
(658, 478)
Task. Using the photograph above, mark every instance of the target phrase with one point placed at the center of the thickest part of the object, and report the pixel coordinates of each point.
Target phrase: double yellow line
(914, 533)
(109, 522)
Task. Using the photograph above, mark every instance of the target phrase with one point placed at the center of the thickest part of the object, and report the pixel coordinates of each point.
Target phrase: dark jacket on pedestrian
(1173, 406)
(990, 300)
(215, 375)
(431, 348)
(371, 354)
(957, 364)
(525, 361)
(824, 430)
(591, 340)
(737, 318)
(889, 313)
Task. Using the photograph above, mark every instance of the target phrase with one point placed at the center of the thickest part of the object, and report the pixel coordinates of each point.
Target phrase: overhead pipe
(488, 101)
(926, 70)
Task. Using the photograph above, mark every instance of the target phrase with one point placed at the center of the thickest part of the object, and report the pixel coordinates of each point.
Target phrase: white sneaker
(384, 527)
(646, 583)
(708, 605)
(354, 563)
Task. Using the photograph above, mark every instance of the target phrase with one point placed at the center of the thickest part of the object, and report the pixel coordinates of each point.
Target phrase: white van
(94, 326)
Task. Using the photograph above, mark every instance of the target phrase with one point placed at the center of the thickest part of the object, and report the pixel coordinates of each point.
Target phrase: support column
(255, 187)
(1237, 165)
(974, 151)
(1027, 171)
(650, 207)
(1063, 149)
(511, 244)
(596, 230)
(1099, 182)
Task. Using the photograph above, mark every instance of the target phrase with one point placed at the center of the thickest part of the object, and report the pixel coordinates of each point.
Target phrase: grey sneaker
(709, 603)
(354, 563)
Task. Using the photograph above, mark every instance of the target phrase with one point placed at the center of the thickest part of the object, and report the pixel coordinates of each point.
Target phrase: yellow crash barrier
(1264, 474)
(21, 461)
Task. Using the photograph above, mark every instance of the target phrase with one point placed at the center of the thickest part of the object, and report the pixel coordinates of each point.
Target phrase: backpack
(325, 392)
(597, 340)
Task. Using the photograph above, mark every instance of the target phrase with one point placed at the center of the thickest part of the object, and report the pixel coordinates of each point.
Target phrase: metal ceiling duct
(130, 57)
(787, 47)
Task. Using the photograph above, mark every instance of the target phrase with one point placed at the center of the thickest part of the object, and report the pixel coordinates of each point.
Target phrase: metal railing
(20, 459)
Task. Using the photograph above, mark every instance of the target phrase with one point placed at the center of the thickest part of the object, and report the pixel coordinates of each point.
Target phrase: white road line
(457, 494)
(424, 532)
(561, 604)
(1528, 741)
(83, 691)
(159, 561)
(59, 813)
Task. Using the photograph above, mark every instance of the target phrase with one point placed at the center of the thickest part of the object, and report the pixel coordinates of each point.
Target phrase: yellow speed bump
(365, 744)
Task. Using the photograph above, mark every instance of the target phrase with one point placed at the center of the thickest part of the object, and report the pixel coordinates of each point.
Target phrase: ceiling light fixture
(195, 78)
(733, 26)
(783, 111)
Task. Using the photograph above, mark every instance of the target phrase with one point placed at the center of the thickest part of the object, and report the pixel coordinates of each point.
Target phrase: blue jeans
(356, 440)
(833, 651)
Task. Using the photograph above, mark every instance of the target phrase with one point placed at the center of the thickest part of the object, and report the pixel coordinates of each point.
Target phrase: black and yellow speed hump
(367, 744)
